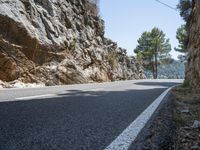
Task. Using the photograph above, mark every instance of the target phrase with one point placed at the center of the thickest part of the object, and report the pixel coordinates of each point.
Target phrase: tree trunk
(156, 65)
(156, 62)
(153, 70)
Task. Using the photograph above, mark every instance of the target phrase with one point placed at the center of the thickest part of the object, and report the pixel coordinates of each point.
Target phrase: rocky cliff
(59, 42)
(193, 67)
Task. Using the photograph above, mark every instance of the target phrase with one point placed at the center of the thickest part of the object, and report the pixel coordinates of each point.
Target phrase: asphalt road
(75, 117)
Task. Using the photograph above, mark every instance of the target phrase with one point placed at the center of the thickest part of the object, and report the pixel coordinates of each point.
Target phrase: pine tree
(153, 47)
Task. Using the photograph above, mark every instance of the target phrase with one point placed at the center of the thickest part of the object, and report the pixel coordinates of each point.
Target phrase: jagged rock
(19, 84)
(195, 147)
(59, 42)
(184, 110)
(196, 124)
(2, 84)
(193, 66)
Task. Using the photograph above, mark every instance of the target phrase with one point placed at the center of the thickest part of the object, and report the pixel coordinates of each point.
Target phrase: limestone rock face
(59, 42)
(193, 67)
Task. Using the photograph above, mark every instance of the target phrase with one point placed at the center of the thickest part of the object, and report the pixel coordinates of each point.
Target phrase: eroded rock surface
(193, 67)
(59, 42)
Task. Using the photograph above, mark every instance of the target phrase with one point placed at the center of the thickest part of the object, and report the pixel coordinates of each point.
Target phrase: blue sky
(125, 20)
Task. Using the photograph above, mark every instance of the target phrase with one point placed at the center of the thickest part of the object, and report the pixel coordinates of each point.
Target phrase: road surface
(75, 117)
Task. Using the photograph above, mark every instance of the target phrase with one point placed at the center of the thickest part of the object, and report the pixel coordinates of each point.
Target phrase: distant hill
(175, 70)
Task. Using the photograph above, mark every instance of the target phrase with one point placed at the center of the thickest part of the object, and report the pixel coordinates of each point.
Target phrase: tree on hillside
(152, 48)
(185, 7)
(182, 37)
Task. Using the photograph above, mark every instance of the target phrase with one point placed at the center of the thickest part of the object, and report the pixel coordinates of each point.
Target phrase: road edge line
(126, 138)
(35, 97)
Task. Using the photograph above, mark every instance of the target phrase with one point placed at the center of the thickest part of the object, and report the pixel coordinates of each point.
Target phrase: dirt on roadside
(186, 116)
(158, 132)
(175, 125)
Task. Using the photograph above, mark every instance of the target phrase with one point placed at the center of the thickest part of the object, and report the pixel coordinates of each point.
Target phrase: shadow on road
(166, 84)
(82, 93)
(75, 120)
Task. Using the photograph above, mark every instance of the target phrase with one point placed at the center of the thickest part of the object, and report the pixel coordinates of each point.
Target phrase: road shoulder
(175, 125)
(186, 115)
(158, 132)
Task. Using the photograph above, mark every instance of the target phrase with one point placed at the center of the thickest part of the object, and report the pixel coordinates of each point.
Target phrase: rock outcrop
(193, 67)
(59, 42)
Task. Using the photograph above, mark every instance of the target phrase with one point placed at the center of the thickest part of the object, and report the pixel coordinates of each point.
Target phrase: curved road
(75, 117)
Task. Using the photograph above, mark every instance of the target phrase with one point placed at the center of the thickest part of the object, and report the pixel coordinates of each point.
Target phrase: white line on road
(36, 97)
(49, 95)
(125, 139)
(93, 90)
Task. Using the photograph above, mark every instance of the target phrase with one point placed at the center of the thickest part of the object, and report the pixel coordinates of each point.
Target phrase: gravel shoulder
(175, 125)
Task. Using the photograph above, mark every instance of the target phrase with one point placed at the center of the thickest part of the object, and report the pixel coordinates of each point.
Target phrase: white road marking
(125, 139)
(36, 97)
(95, 90)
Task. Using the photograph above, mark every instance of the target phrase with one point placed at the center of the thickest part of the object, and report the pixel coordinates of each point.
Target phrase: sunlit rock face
(193, 67)
(59, 42)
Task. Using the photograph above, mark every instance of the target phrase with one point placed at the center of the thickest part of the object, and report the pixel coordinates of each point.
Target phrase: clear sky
(125, 20)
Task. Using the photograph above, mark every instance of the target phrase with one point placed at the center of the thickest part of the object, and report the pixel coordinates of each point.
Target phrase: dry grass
(93, 8)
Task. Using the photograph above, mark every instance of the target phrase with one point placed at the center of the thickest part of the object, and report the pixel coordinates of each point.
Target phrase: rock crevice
(59, 42)
(193, 66)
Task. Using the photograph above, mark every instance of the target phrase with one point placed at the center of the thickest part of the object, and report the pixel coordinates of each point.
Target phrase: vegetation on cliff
(189, 11)
(182, 34)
